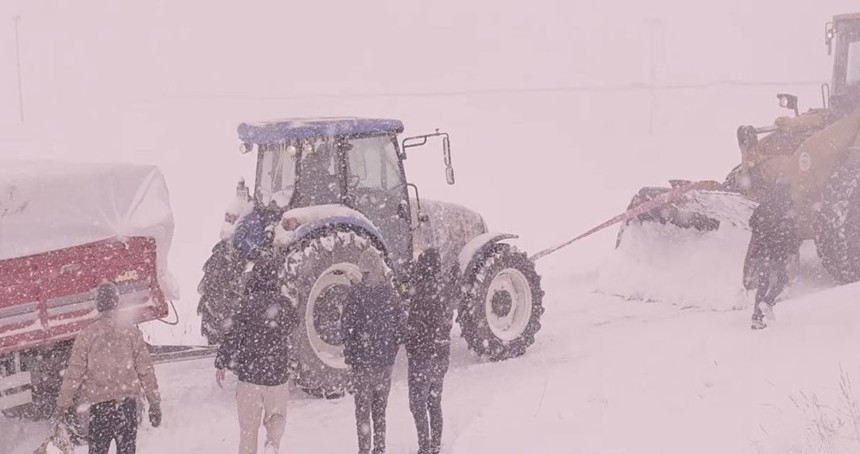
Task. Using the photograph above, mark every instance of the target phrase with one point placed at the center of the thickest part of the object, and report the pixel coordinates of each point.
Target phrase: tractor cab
(355, 162)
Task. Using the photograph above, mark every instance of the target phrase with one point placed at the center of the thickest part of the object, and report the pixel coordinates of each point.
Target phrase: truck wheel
(502, 304)
(219, 290)
(317, 275)
(837, 224)
(46, 368)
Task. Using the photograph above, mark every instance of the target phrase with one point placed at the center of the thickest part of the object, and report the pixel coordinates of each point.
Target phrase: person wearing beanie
(372, 325)
(98, 376)
(257, 348)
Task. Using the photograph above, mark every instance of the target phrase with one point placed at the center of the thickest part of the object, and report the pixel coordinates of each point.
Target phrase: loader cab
(843, 41)
(354, 162)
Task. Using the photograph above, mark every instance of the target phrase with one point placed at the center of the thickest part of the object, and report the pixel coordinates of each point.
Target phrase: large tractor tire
(837, 225)
(502, 304)
(220, 290)
(316, 276)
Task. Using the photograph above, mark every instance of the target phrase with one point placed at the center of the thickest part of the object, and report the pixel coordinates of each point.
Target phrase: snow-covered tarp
(45, 206)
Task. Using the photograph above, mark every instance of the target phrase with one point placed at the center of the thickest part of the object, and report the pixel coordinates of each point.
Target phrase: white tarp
(45, 206)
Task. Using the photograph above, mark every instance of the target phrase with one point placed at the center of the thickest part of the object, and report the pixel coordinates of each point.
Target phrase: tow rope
(657, 202)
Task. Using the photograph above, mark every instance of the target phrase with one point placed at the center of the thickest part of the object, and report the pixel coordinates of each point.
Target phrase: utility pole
(20, 82)
(655, 31)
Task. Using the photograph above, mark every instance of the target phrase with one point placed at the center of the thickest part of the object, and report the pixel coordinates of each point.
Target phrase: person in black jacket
(428, 348)
(371, 321)
(256, 347)
(773, 243)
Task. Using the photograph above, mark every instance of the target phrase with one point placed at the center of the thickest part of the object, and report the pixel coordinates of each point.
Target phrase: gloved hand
(155, 415)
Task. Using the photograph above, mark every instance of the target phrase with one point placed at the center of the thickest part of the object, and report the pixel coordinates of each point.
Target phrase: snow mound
(46, 205)
(684, 267)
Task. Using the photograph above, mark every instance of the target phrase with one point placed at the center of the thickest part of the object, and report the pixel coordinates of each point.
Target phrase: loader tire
(502, 304)
(316, 275)
(219, 290)
(837, 223)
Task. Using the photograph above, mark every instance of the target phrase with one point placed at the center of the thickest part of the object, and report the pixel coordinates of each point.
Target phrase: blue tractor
(328, 189)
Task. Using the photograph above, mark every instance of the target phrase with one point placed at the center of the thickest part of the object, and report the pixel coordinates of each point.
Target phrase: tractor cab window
(276, 174)
(852, 77)
(376, 188)
(373, 164)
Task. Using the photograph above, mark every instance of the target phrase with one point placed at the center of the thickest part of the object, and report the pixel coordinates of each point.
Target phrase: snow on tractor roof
(308, 128)
(846, 17)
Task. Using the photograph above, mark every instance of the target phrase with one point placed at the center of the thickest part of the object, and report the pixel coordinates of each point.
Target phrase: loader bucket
(671, 213)
(689, 252)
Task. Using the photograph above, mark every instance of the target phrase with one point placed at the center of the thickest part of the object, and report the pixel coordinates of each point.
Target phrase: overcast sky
(79, 55)
(166, 82)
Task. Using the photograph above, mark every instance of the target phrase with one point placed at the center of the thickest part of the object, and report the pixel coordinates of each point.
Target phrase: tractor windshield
(276, 174)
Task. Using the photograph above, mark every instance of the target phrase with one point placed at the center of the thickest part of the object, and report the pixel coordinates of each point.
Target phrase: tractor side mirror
(446, 152)
(829, 35)
(418, 141)
(449, 174)
(788, 101)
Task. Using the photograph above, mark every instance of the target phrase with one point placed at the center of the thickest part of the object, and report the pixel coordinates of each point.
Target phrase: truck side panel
(50, 297)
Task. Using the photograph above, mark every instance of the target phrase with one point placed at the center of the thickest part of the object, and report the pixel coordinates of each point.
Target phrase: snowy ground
(607, 375)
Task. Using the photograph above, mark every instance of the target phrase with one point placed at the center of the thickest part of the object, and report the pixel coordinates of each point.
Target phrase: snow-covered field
(643, 350)
(606, 375)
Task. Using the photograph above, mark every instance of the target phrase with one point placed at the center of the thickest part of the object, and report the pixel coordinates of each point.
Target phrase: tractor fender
(313, 220)
(475, 249)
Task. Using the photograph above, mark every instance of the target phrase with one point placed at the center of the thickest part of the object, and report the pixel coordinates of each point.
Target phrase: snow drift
(683, 266)
(45, 206)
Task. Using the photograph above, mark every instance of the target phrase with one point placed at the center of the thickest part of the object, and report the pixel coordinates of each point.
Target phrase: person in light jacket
(109, 370)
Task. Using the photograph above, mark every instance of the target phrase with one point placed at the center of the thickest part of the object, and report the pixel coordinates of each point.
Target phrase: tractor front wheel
(219, 290)
(502, 304)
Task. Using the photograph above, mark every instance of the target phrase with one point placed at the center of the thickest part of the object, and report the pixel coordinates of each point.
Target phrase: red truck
(64, 229)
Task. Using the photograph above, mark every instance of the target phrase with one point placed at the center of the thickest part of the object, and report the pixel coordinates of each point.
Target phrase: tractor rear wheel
(219, 290)
(837, 223)
(316, 276)
(502, 304)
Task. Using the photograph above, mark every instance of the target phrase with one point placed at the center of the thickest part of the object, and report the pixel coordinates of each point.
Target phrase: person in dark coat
(371, 323)
(257, 348)
(428, 349)
(774, 241)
